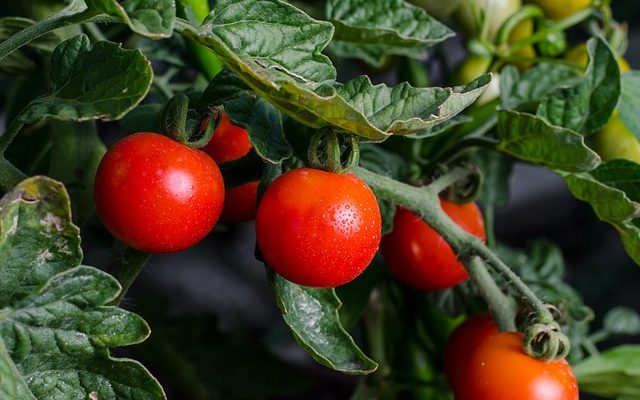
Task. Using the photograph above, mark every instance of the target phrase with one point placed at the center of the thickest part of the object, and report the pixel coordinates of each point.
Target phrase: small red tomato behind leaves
(419, 257)
(157, 195)
(230, 142)
(317, 228)
(498, 369)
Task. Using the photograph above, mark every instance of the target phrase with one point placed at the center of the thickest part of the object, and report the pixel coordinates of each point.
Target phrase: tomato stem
(425, 202)
(557, 27)
(502, 309)
(127, 269)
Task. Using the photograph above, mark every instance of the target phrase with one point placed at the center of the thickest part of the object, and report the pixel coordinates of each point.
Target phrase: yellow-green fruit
(578, 54)
(559, 9)
(616, 141)
(495, 11)
(473, 67)
(523, 30)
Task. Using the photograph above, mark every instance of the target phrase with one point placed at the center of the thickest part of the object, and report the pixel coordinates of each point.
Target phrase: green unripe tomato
(559, 9)
(554, 43)
(473, 67)
(616, 141)
(495, 12)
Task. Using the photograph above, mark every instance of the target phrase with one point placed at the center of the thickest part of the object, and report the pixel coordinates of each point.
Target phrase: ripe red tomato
(498, 369)
(318, 228)
(469, 335)
(230, 142)
(156, 194)
(240, 203)
(421, 258)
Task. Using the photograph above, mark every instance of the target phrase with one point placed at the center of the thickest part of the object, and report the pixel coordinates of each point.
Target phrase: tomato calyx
(465, 190)
(183, 125)
(326, 152)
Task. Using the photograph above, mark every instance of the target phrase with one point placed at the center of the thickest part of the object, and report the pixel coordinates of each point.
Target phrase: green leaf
(20, 61)
(496, 171)
(207, 363)
(263, 123)
(372, 53)
(225, 86)
(613, 374)
(151, 18)
(276, 50)
(586, 106)
(55, 326)
(534, 84)
(630, 102)
(37, 237)
(355, 295)
(383, 27)
(613, 190)
(75, 156)
(530, 138)
(622, 321)
(312, 316)
(143, 118)
(275, 34)
(99, 82)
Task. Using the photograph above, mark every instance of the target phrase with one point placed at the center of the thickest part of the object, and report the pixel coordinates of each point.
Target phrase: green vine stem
(557, 27)
(501, 307)
(424, 201)
(127, 268)
(74, 13)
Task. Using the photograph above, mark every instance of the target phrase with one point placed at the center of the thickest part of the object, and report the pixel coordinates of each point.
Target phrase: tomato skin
(496, 12)
(317, 228)
(615, 140)
(240, 203)
(419, 257)
(559, 9)
(579, 55)
(498, 369)
(229, 142)
(466, 338)
(157, 195)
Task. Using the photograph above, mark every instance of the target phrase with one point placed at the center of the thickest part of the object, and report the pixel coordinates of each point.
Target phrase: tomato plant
(394, 181)
(318, 228)
(158, 195)
(418, 256)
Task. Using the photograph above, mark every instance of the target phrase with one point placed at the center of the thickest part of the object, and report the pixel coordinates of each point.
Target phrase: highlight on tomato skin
(498, 369)
(230, 142)
(157, 195)
(419, 257)
(318, 228)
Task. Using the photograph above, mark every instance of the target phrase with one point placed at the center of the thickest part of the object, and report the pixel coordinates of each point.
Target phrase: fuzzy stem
(501, 307)
(425, 202)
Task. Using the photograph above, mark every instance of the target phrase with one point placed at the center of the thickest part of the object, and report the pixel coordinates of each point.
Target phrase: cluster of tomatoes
(313, 227)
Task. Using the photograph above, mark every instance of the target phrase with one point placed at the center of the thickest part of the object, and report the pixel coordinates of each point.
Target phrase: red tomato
(318, 228)
(421, 258)
(230, 142)
(498, 369)
(240, 203)
(469, 335)
(156, 194)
